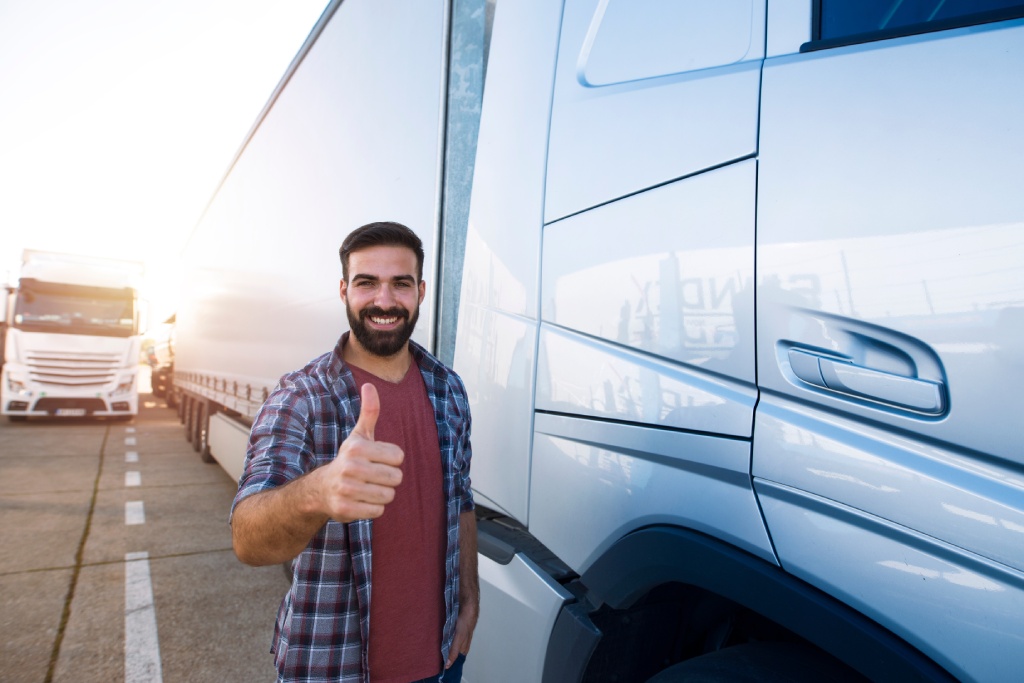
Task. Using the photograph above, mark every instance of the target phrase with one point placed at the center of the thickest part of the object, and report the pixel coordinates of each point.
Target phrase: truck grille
(73, 369)
(89, 405)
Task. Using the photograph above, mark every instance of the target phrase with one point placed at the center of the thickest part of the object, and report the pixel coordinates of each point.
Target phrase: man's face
(382, 298)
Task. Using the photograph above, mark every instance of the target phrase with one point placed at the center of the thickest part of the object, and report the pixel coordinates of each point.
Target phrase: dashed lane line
(134, 513)
(141, 642)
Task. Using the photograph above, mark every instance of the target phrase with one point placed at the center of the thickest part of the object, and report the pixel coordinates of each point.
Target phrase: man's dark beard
(379, 343)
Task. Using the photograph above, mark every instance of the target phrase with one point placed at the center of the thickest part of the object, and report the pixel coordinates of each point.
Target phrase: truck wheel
(202, 440)
(760, 663)
(190, 410)
(181, 408)
(197, 424)
(172, 398)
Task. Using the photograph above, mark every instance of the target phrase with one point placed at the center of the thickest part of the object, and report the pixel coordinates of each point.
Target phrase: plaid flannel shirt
(323, 623)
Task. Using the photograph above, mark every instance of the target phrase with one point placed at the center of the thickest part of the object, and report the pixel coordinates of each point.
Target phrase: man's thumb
(369, 411)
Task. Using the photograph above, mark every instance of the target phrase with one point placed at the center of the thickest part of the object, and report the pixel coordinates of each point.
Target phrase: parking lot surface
(117, 561)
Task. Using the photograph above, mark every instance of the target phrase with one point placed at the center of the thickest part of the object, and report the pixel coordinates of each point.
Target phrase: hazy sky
(119, 117)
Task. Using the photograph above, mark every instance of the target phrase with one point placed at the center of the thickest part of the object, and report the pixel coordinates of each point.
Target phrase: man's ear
(342, 287)
(423, 290)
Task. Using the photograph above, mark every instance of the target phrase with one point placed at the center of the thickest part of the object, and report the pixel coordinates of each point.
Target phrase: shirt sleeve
(280, 443)
(463, 481)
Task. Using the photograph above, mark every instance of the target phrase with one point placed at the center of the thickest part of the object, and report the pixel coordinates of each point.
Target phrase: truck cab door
(645, 384)
(889, 326)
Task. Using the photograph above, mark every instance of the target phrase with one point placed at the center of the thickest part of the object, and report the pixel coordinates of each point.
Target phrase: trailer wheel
(202, 437)
(197, 424)
(190, 418)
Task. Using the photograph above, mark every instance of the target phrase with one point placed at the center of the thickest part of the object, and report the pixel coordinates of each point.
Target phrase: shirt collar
(338, 368)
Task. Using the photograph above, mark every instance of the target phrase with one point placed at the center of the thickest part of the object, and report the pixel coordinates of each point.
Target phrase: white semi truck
(736, 287)
(72, 338)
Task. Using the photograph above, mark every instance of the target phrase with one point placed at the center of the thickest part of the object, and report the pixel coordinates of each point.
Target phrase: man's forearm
(274, 526)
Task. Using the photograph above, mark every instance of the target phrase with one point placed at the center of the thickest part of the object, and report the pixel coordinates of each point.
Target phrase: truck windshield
(74, 309)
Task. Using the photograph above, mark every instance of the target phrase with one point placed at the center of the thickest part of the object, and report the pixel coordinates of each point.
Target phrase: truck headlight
(125, 386)
(17, 386)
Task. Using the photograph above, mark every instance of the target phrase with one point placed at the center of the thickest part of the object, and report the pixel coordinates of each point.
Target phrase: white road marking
(131, 456)
(134, 513)
(141, 643)
(133, 479)
(129, 441)
(129, 430)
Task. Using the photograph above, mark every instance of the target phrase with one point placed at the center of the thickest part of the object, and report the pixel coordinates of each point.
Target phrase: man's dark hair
(381, 234)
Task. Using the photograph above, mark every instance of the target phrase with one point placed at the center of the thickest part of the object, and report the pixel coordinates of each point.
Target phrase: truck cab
(735, 290)
(72, 343)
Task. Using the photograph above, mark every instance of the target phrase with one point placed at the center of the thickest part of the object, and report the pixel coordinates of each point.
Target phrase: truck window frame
(972, 19)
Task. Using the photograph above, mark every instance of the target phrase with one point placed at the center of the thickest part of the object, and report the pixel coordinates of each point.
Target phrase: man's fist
(362, 479)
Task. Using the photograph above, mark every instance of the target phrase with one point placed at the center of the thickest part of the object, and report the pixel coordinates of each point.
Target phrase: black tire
(182, 399)
(197, 424)
(760, 663)
(17, 418)
(172, 398)
(203, 432)
(189, 410)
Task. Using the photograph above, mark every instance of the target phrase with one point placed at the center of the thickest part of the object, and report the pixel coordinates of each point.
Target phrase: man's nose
(385, 296)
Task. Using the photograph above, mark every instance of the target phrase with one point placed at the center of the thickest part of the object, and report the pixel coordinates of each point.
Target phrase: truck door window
(842, 22)
(647, 92)
(631, 40)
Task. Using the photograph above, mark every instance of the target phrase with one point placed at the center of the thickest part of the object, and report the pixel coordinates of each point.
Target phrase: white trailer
(72, 339)
(735, 287)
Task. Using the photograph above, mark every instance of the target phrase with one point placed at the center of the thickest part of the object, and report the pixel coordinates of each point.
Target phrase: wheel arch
(649, 558)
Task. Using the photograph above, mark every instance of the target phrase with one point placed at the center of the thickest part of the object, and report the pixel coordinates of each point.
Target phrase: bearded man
(357, 473)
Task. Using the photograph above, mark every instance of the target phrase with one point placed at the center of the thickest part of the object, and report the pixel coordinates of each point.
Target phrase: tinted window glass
(842, 18)
(74, 309)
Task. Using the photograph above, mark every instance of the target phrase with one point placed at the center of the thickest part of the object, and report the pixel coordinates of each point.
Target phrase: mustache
(378, 312)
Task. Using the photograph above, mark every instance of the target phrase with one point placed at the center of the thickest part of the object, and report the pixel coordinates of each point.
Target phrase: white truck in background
(736, 288)
(71, 346)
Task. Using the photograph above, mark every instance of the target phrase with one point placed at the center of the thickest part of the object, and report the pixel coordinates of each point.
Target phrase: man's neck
(388, 368)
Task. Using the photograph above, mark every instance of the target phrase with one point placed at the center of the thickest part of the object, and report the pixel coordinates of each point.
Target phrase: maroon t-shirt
(407, 610)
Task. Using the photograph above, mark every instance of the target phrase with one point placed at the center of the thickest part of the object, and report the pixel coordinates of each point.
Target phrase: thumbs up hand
(361, 480)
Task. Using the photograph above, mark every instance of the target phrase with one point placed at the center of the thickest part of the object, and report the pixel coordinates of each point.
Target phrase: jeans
(451, 675)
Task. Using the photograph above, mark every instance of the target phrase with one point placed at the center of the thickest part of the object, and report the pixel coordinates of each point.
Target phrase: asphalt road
(116, 561)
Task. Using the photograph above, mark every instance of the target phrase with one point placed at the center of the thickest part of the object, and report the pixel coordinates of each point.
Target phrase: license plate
(70, 412)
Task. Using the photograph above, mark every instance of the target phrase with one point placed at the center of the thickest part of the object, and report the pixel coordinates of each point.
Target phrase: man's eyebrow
(374, 278)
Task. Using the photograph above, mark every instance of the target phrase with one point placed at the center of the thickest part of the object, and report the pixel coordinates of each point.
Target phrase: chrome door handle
(844, 377)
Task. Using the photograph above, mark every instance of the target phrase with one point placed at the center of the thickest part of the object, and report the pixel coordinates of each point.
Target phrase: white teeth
(384, 321)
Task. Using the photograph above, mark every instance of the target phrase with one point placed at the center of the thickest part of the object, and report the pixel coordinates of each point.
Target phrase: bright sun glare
(120, 118)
